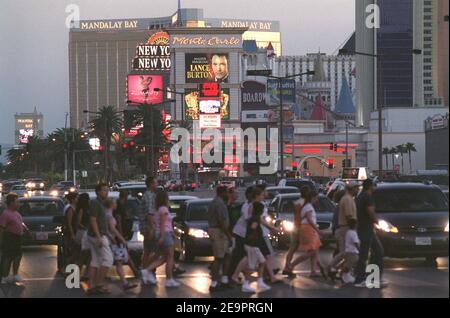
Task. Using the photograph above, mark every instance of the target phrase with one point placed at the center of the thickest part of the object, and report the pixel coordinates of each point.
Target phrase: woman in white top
(309, 235)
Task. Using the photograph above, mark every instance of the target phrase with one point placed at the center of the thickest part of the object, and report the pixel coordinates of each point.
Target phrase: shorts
(220, 243)
(254, 257)
(120, 253)
(167, 241)
(309, 239)
(100, 256)
(11, 245)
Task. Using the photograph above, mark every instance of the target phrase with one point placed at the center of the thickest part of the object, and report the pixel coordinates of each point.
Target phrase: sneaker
(172, 283)
(144, 277)
(246, 288)
(151, 279)
(360, 284)
(262, 286)
(348, 278)
(18, 278)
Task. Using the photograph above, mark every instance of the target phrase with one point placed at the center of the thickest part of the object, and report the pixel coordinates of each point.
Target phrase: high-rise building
(28, 125)
(399, 78)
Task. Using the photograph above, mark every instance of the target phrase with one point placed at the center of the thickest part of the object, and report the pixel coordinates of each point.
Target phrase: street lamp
(182, 94)
(280, 80)
(377, 58)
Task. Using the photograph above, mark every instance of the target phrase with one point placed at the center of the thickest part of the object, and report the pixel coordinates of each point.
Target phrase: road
(407, 278)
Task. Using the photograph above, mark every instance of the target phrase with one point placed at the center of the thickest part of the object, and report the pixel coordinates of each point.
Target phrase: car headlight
(72, 190)
(386, 227)
(288, 226)
(446, 228)
(54, 193)
(269, 220)
(66, 192)
(41, 185)
(198, 233)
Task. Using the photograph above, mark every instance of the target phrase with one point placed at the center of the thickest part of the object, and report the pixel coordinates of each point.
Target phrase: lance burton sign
(154, 55)
(205, 41)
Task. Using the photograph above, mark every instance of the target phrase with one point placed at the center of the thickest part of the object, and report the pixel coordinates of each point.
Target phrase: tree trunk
(410, 161)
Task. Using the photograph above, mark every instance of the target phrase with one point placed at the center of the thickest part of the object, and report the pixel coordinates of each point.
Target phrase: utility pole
(65, 149)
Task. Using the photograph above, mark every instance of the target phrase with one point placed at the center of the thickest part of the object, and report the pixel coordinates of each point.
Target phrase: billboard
(25, 135)
(195, 105)
(206, 68)
(153, 55)
(141, 89)
(287, 91)
(253, 95)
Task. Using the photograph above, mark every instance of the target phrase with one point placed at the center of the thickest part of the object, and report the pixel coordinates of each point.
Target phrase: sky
(34, 41)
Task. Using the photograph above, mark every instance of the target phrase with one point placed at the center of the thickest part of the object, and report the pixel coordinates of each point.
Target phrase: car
(413, 220)
(272, 192)
(282, 210)
(7, 185)
(189, 185)
(190, 226)
(176, 202)
(119, 184)
(35, 184)
(298, 183)
(446, 193)
(42, 215)
(336, 186)
(136, 190)
(20, 189)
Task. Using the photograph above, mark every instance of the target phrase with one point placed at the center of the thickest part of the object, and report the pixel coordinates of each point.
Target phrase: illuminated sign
(206, 68)
(25, 135)
(192, 100)
(206, 41)
(274, 91)
(153, 55)
(141, 89)
(210, 106)
(209, 90)
(94, 143)
(210, 121)
(253, 95)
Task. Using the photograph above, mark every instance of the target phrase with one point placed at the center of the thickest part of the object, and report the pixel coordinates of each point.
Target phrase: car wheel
(431, 261)
(186, 255)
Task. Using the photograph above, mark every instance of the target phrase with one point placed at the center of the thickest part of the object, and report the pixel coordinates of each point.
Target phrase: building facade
(101, 51)
(28, 125)
(437, 142)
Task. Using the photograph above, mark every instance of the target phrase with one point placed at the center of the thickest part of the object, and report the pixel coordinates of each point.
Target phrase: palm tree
(410, 147)
(108, 122)
(386, 154)
(401, 150)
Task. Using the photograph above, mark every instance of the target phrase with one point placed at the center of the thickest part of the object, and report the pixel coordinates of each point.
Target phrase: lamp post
(377, 58)
(280, 80)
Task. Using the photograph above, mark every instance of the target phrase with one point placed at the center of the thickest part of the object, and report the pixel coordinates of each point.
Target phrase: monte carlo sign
(153, 55)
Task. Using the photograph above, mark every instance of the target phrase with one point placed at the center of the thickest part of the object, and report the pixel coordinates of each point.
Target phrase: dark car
(39, 214)
(35, 184)
(413, 220)
(298, 183)
(282, 207)
(191, 230)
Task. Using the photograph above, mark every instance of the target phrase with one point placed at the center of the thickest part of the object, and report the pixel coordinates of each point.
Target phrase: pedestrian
(295, 235)
(71, 248)
(81, 236)
(164, 239)
(260, 195)
(118, 244)
(147, 227)
(12, 230)
(370, 243)
(352, 244)
(346, 212)
(218, 230)
(239, 232)
(101, 254)
(254, 245)
(309, 235)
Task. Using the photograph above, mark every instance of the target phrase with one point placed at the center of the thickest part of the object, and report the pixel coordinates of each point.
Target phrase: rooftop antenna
(179, 23)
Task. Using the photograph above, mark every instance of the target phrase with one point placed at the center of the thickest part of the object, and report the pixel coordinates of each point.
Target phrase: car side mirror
(58, 219)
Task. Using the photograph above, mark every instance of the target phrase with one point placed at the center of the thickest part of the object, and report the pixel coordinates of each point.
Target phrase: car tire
(431, 261)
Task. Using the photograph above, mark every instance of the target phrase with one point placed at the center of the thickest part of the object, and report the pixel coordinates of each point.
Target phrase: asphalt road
(407, 278)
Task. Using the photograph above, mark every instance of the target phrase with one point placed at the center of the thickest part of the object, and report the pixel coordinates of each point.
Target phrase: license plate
(41, 236)
(423, 241)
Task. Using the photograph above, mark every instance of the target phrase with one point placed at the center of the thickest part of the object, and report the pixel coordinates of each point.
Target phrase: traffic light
(335, 147)
(331, 146)
(294, 165)
(124, 147)
(330, 163)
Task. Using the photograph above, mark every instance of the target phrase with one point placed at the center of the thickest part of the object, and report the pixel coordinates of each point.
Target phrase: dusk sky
(34, 41)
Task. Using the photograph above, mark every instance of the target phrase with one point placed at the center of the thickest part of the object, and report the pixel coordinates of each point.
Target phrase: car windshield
(18, 188)
(175, 206)
(197, 211)
(409, 200)
(300, 184)
(323, 205)
(41, 208)
(271, 194)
